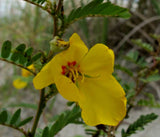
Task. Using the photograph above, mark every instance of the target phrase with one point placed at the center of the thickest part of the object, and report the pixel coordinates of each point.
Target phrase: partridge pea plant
(82, 76)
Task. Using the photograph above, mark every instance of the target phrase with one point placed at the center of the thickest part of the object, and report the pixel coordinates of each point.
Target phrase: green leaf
(15, 117)
(150, 101)
(36, 57)
(21, 48)
(46, 132)
(3, 116)
(135, 58)
(6, 49)
(25, 121)
(24, 105)
(151, 78)
(124, 69)
(29, 51)
(143, 45)
(15, 56)
(132, 56)
(39, 1)
(97, 8)
(139, 124)
(69, 116)
(29, 62)
(22, 59)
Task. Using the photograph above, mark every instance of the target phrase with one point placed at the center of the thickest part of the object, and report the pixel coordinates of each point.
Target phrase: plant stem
(48, 10)
(41, 106)
(16, 128)
(55, 26)
(58, 12)
(11, 62)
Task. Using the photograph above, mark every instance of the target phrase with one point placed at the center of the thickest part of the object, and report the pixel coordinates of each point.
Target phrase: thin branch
(38, 6)
(39, 112)
(60, 3)
(11, 62)
(135, 30)
(16, 128)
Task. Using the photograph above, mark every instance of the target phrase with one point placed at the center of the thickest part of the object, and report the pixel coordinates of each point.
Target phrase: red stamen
(63, 67)
(64, 70)
(74, 63)
(69, 64)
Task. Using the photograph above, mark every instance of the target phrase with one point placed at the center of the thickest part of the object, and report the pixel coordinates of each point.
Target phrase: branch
(139, 26)
(11, 62)
(16, 128)
(39, 112)
(38, 6)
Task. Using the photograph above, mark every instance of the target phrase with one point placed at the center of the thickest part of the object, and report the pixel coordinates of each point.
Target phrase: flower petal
(99, 59)
(67, 88)
(44, 78)
(19, 84)
(75, 52)
(26, 73)
(53, 69)
(102, 101)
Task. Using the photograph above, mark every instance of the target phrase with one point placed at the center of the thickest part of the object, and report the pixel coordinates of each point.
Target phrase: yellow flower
(26, 73)
(86, 78)
(19, 83)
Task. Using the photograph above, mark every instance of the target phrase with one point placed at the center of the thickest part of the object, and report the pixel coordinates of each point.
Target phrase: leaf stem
(16, 128)
(21, 66)
(38, 6)
(41, 106)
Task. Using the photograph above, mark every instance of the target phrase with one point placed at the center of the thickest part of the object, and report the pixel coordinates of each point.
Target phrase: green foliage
(90, 131)
(139, 124)
(46, 132)
(124, 69)
(24, 105)
(15, 117)
(6, 49)
(67, 117)
(151, 78)
(38, 1)
(143, 45)
(150, 101)
(29, 52)
(36, 57)
(14, 120)
(24, 122)
(19, 55)
(135, 58)
(21, 48)
(97, 8)
(3, 116)
(156, 6)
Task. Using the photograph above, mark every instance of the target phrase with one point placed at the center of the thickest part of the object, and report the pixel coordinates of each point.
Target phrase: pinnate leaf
(139, 124)
(97, 8)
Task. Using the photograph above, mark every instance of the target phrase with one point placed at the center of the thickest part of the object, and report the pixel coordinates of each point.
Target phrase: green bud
(57, 45)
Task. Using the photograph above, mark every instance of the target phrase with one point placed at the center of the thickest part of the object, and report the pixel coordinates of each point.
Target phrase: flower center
(72, 71)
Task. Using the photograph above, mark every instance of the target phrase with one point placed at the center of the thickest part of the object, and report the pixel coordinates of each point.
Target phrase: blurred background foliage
(135, 41)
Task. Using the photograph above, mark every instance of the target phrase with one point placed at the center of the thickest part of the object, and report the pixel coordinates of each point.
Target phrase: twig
(11, 62)
(142, 32)
(39, 112)
(16, 128)
(135, 30)
(38, 6)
